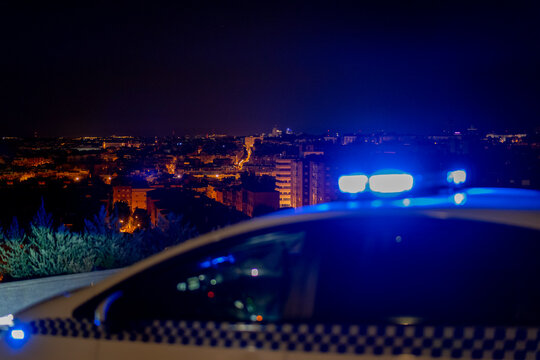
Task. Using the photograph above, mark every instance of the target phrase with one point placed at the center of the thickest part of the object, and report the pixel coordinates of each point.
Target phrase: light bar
(391, 183)
(456, 177)
(352, 184)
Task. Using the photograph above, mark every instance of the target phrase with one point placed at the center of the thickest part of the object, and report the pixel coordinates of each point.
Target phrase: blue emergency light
(17, 334)
(393, 182)
(456, 177)
(352, 184)
(390, 183)
(385, 182)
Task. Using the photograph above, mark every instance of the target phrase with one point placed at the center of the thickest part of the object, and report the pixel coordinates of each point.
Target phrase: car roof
(515, 207)
(473, 198)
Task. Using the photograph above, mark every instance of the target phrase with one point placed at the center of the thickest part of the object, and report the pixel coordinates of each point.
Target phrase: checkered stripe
(448, 342)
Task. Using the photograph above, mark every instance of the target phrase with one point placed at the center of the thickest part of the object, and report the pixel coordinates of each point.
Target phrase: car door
(223, 301)
(423, 287)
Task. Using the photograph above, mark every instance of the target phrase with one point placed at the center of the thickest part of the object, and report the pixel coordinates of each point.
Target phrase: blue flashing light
(456, 177)
(17, 334)
(205, 264)
(324, 207)
(353, 205)
(391, 183)
(459, 198)
(428, 201)
(352, 184)
(219, 260)
(17, 337)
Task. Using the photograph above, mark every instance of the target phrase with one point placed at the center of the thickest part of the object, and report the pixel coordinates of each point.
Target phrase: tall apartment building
(312, 183)
(249, 201)
(299, 183)
(283, 181)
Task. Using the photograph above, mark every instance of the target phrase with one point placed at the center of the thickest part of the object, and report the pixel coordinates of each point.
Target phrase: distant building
(333, 139)
(31, 161)
(348, 139)
(260, 202)
(283, 181)
(136, 198)
(139, 199)
(251, 202)
(276, 132)
(507, 137)
(249, 141)
(311, 183)
(122, 194)
(310, 150)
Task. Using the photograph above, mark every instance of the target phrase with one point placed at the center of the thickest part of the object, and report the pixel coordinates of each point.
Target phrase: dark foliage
(44, 250)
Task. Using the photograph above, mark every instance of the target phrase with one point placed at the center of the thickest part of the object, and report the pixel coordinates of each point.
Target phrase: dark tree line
(45, 250)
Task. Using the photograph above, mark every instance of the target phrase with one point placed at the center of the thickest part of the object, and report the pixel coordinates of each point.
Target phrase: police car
(455, 275)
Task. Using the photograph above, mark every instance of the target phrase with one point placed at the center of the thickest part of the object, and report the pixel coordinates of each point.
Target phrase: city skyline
(288, 131)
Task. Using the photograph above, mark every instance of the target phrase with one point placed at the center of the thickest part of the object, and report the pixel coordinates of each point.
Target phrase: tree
(13, 254)
(45, 250)
(122, 211)
(112, 248)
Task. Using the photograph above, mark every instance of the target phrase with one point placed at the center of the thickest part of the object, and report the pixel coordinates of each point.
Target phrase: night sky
(195, 67)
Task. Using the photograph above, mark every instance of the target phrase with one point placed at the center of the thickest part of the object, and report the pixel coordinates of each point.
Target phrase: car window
(247, 280)
(422, 270)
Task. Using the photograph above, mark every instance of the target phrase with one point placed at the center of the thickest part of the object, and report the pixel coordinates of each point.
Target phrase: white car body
(54, 333)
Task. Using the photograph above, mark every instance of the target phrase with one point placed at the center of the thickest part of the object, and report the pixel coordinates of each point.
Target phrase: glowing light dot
(459, 198)
(17, 334)
(254, 272)
(211, 294)
(181, 286)
(259, 318)
(238, 304)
